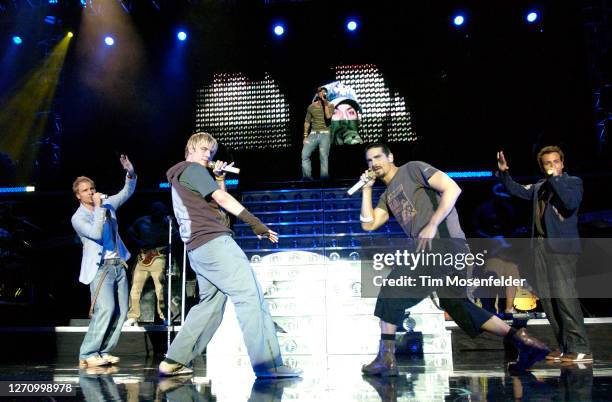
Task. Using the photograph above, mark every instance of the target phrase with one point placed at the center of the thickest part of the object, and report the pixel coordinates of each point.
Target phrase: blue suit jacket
(561, 213)
(89, 226)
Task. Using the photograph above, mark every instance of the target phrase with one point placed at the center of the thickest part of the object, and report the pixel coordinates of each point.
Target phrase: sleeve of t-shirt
(420, 172)
(196, 178)
(382, 202)
(308, 118)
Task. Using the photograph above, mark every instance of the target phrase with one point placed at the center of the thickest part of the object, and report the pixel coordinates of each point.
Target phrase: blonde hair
(79, 180)
(199, 138)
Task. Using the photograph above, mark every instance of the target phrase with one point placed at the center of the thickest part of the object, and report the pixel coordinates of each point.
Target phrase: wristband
(366, 219)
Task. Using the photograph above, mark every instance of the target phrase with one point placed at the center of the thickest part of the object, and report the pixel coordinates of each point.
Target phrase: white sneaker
(279, 372)
(130, 322)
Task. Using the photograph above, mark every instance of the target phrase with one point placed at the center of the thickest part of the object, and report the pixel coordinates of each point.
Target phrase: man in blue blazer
(554, 228)
(103, 265)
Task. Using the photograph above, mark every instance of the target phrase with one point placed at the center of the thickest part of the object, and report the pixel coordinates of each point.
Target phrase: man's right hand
(306, 141)
(502, 165)
(368, 178)
(97, 199)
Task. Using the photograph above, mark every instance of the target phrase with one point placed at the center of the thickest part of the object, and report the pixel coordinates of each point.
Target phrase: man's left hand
(425, 237)
(127, 165)
(270, 235)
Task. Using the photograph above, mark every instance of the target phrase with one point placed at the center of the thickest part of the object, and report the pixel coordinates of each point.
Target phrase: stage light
(279, 29)
(17, 40)
(70, 34)
(532, 17)
(109, 41)
(351, 25)
(458, 20)
(182, 35)
(84, 3)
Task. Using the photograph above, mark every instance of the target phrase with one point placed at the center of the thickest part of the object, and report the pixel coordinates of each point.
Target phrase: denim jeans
(322, 139)
(110, 310)
(223, 270)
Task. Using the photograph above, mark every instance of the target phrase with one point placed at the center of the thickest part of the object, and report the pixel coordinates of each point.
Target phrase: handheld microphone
(357, 186)
(103, 196)
(231, 169)
(550, 172)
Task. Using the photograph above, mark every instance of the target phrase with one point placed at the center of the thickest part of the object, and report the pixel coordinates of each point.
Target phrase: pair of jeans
(110, 309)
(141, 274)
(556, 287)
(321, 139)
(223, 270)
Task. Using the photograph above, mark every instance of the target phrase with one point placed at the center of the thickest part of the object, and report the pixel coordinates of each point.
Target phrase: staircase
(312, 282)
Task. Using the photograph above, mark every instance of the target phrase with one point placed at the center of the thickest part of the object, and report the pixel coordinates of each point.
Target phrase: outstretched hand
(502, 165)
(127, 165)
(271, 235)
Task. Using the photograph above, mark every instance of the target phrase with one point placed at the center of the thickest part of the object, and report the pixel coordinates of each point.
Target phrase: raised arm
(515, 189)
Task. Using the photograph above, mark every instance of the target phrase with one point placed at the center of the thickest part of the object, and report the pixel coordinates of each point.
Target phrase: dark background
(495, 83)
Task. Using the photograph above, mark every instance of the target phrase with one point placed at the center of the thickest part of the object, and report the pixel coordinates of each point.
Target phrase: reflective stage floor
(469, 376)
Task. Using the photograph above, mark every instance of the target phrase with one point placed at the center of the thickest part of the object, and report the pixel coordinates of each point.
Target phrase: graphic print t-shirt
(409, 198)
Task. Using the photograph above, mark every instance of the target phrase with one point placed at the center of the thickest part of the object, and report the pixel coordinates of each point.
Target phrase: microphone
(550, 172)
(357, 186)
(231, 169)
(103, 196)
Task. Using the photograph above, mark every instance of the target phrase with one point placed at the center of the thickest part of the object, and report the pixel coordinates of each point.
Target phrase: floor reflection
(474, 376)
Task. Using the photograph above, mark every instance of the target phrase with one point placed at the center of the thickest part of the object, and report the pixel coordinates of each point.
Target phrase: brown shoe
(554, 355)
(93, 361)
(531, 350)
(384, 364)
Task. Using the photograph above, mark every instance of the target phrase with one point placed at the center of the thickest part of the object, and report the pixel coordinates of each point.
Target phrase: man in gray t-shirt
(422, 199)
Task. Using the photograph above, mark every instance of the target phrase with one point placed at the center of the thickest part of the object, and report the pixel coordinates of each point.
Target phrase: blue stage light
(532, 17)
(351, 25)
(109, 41)
(459, 20)
(279, 29)
(17, 40)
(24, 189)
(470, 174)
(84, 3)
(182, 35)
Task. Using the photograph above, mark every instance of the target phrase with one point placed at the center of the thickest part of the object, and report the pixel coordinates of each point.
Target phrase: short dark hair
(549, 150)
(384, 147)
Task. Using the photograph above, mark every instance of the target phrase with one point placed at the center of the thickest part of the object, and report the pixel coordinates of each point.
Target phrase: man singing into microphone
(103, 265)
(221, 267)
(422, 199)
(555, 201)
(317, 133)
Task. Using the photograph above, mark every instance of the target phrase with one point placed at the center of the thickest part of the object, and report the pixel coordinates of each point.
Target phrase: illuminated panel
(383, 112)
(244, 114)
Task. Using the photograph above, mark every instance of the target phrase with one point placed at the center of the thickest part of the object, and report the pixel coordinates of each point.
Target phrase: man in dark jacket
(555, 200)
